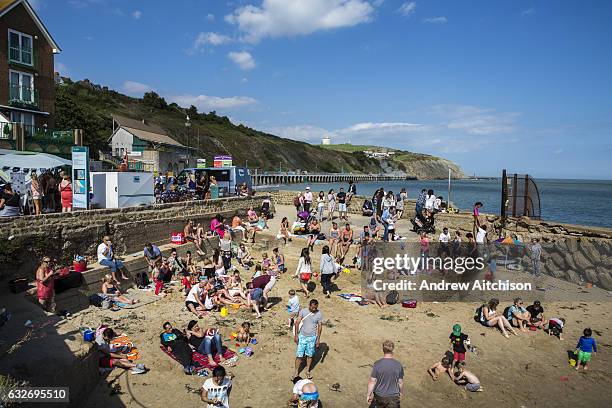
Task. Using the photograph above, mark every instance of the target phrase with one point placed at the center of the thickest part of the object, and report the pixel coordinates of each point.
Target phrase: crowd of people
(50, 191)
(230, 275)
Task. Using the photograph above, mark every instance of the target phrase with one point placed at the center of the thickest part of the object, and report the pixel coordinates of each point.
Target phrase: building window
(21, 86)
(20, 48)
(27, 119)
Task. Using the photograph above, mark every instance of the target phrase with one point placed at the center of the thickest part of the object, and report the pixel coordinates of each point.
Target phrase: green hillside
(89, 106)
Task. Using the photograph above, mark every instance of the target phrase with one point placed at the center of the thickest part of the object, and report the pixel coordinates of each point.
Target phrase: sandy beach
(528, 370)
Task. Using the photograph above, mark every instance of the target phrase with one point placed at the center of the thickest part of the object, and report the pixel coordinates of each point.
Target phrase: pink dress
(45, 290)
(216, 226)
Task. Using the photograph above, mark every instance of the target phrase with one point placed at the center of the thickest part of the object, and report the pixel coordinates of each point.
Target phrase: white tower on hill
(326, 140)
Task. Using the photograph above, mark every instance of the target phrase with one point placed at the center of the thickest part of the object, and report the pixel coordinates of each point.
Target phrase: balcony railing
(37, 134)
(23, 56)
(23, 96)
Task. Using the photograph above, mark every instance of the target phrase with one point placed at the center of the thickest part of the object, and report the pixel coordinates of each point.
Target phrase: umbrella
(33, 161)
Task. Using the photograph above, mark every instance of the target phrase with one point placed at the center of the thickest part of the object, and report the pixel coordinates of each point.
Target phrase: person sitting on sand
(205, 341)
(234, 286)
(536, 315)
(191, 235)
(368, 208)
(518, 315)
(304, 394)
(175, 342)
(284, 232)
(239, 226)
(586, 345)
(440, 367)
(110, 358)
(555, 327)
(111, 292)
(215, 391)
(194, 303)
(490, 317)
(244, 333)
(243, 256)
(279, 260)
(467, 378)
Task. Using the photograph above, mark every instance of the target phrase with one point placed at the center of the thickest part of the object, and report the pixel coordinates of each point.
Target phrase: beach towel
(123, 342)
(201, 361)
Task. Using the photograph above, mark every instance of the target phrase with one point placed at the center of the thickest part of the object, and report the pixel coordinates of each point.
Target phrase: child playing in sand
(440, 367)
(458, 340)
(293, 307)
(467, 378)
(244, 333)
(555, 327)
(586, 345)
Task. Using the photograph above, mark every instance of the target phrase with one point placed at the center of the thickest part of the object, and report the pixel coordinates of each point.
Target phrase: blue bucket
(89, 335)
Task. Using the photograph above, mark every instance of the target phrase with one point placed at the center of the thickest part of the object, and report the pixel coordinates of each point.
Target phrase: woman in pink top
(216, 225)
(424, 250)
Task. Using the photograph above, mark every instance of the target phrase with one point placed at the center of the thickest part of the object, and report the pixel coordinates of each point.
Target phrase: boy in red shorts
(457, 340)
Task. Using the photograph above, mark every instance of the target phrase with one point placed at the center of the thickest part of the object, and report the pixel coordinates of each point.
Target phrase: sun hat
(456, 330)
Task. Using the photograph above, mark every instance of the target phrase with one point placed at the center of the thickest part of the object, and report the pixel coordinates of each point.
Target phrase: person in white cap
(307, 199)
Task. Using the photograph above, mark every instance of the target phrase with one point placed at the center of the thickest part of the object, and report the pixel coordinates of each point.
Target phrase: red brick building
(27, 85)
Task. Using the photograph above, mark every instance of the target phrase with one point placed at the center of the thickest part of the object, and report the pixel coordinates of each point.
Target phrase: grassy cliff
(89, 106)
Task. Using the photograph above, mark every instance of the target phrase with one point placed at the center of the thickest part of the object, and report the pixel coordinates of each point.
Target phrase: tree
(153, 100)
(192, 112)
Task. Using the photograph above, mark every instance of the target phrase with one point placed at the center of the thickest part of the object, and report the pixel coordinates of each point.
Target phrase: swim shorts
(458, 356)
(583, 356)
(306, 346)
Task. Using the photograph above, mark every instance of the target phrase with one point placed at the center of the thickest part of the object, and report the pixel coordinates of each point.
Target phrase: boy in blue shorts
(307, 336)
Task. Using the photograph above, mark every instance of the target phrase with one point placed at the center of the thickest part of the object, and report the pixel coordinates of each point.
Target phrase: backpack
(142, 279)
(392, 297)
(296, 201)
(478, 314)
(96, 300)
(507, 313)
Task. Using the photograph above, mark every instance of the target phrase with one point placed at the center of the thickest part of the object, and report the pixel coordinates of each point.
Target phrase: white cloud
(214, 39)
(456, 111)
(136, 14)
(206, 103)
(61, 68)
(435, 20)
(491, 124)
(210, 17)
(408, 8)
(384, 127)
(304, 133)
(83, 3)
(244, 80)
(243, 59)
(527, 12)
(136, 88)
(279, 18)
(475, 120)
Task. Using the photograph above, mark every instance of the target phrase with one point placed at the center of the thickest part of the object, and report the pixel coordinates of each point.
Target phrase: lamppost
(188, 125)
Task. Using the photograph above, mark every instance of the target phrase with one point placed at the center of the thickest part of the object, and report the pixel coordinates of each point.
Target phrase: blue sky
(522, 85)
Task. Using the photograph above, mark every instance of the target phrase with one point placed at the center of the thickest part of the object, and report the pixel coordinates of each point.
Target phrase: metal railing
(37, 134)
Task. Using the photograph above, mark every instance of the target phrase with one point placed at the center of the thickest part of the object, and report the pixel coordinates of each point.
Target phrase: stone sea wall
(24, 240)
(575, 253)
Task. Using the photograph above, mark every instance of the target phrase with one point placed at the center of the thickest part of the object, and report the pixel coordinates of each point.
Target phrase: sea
(582, 202)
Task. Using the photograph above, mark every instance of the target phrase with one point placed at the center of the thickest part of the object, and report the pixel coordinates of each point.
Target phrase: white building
(326, 140)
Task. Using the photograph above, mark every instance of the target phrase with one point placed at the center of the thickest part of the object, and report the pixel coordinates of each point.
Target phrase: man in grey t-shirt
(307, 335)
(386, 383)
